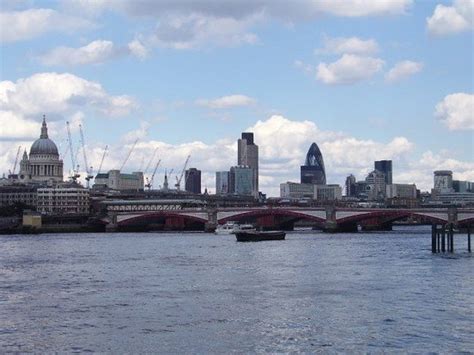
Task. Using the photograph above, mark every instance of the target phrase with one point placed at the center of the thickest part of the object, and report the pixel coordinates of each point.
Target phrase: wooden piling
(451, 235)
(443, 240)
(433, 238)
(469, 239)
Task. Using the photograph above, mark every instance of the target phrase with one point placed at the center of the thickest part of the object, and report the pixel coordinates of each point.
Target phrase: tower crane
(149, 162)
(150, 182)
(102, 160)
(129, 154)
(75, 174)
(178, 180)
(89, 175)
(16, 160)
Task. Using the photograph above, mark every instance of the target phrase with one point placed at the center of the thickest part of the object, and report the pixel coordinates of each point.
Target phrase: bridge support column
(469, 239)
(334, 227)
(112, 226)
(211, 224)
(375, 224)
(433, 238)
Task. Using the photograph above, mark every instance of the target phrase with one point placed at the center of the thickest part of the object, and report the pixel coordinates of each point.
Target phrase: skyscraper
(385, 166)
(313, 172)
(247, 155)
(222, 182)
(193, 180)
(351, 186)
(241, 180)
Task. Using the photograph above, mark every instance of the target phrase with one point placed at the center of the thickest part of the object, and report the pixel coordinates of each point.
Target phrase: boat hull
(253, 236)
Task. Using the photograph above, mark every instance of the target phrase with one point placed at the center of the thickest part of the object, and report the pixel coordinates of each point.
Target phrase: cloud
(31, 23)
(349, 69)
(138, 49)
(402, 70)
(227, 102)
(354, 45)
(453, 19)
(456, 111)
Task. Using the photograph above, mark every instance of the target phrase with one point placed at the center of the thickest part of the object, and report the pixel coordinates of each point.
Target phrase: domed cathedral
(43, 165)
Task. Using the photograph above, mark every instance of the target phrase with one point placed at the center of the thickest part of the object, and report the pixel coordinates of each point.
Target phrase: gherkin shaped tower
(313, 172)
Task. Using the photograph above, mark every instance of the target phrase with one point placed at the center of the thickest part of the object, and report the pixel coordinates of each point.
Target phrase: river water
(201, 293)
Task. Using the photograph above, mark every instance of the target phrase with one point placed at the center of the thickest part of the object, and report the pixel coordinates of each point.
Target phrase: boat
(231, 227)
(257, 236)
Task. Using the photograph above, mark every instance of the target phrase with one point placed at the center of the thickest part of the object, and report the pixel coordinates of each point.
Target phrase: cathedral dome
(44, 145)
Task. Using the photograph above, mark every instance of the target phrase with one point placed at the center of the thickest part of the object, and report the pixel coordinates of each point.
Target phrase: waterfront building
(375, 186)
(241, 180)
(385, 166)
(13, 194)
(405, 191)
(63, 200)
(351, 186)
(193, 181)
(247, 155)
(115, 180)
(443, 182)
(313, 172)
(296, 190)
(222, 182)
(42, 166)
(311, 191)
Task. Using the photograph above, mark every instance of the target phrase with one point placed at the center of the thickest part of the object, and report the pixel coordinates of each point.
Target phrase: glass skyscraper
(313, 172)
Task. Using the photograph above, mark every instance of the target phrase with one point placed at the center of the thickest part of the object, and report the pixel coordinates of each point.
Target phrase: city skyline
(352, 82)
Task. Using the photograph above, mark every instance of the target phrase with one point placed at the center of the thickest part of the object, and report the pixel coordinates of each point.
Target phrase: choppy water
(201, 293)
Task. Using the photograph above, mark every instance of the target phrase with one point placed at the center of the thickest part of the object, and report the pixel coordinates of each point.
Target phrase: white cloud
(354, 45)
(95, 52)
(59, 93)
(451, 19)
(227, 102)
(31, 23)
(138, 49)
(456, 111)
(403, 70)
(349, 69)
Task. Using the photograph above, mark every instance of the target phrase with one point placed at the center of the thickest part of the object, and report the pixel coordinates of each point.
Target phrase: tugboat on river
(258, 236)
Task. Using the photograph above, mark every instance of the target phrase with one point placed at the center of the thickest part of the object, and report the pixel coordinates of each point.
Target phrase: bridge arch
(164, 216)
(388, 216)
(273, 212)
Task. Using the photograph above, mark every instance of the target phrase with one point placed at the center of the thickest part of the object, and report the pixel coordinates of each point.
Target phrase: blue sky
(364, 79)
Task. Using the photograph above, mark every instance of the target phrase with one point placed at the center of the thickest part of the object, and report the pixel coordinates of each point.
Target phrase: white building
(401, 191)
(115, 180)
(312, 191)
(62, 200)
(443, 181)
(375, 186)
(43, 165)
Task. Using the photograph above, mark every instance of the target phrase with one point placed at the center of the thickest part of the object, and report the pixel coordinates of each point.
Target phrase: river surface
(201, 293)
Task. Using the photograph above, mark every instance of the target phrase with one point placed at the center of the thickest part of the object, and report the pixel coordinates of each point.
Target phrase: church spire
(44, 128)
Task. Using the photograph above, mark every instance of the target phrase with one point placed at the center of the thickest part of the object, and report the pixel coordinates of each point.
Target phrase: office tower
(385, 166)
(351, 186)
(376, 186)
(247, 155)
(193, 180)
(241, 180)
(312, 172)
(222, 182)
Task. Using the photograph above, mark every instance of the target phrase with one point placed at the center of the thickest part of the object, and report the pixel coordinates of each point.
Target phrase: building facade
(10, 195)
(63, 200)
(247, 155)
(351, 186)
(192, 178)
(43, 165)
(443, 181)
(222, 182)
(115, 180)
(310, 191)
(313, 171)
(375, 186)
(401, 191)
(241, 180)
(330, 192)
(385, 166)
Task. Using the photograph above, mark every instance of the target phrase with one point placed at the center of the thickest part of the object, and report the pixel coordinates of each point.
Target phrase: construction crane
(102, 160)
(89, 175)
(129, 154)
(75, 174)
(16, 161)
(149, 162)
(150, 182)
(178, 180)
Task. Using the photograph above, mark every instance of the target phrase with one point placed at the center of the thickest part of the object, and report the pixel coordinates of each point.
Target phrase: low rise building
(10, 195)
(311, 191)
(63, 200)
(329, 192)
(401, 191)
(115, 180)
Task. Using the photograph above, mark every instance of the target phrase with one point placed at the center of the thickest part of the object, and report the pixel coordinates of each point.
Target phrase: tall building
(443, 181)
(351, 186)
(43, 165)
(385, 166)
(241, 180)
(192, 180)
(247, 155)
(313, 172)
(222, 182)
(375, 185)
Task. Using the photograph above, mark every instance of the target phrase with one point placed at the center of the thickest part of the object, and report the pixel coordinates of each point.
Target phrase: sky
(365, 80)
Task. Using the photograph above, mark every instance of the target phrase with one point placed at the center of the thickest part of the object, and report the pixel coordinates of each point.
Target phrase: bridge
(196, 215)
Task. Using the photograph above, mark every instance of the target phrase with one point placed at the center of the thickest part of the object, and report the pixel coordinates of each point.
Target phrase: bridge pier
(334, 227)
(375, 224)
